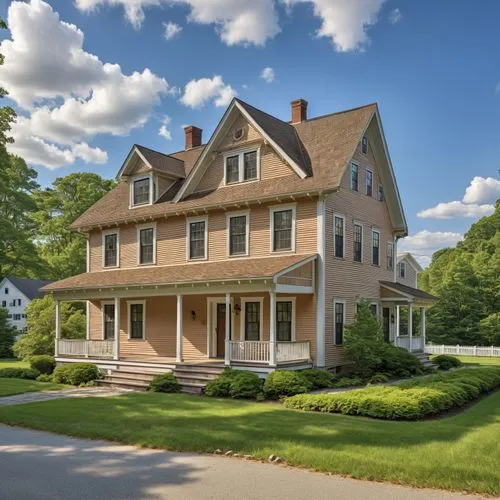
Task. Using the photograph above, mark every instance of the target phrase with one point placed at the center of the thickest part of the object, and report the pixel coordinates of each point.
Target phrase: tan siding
(95, 254)
(95, 320)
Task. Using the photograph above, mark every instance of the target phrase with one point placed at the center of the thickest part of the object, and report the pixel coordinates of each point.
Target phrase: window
(23, 316)
(4, 303)
(381, 196)
(242, 166)
(9, 316)
(110, 245)
(6, 291)
(375, 248)
(18, 302)
(373, 309)
(338, 221)
(369, 182)
(338, 321)
(285, 320)
(238, 234)
(364, 144)
(137, 316)
(197, 241)
(108, 321)
(358, 243)
(141, 191)
(354, 176)
(17, 317)
(390, 255)
(252, 320)
(146, 239)
(402, 269)
(283, 229)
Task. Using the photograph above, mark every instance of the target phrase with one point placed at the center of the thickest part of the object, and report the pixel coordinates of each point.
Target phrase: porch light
(193, 315)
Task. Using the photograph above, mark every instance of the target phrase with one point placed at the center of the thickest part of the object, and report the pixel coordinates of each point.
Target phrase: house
(15, 296)
(251, 250)
(408, 270)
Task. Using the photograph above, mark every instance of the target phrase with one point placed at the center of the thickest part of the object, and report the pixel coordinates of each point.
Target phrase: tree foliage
(7, 335)
(467, 281)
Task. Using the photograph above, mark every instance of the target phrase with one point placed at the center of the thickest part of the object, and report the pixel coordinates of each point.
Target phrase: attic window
(143, 191)
(364, 144)
(241, 166)
(238, 134)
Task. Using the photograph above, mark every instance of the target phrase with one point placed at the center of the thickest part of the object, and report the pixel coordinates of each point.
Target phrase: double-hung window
(240, 166)
(369, 182)
(110, 243)
(339, 222)
(381, 196)
(197, 238)
(108, 311)
(402, 269)
(375, 247)
(146, 238)
(285, 320)
(137, 319)
(238, 234)
(141, 191)
(252, 320)
(358, 243)
(232, 169)
(283, 229)
(364, 144)
(338, 321)
(354, 177)
(390, 255)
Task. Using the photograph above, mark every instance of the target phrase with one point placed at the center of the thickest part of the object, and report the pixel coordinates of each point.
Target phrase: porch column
(272, 328)
(58, 327)
(422, 325)
(179, 337)
(410, 326)
(397, 326)
(227, 357)
(116, 350)
(88, 320)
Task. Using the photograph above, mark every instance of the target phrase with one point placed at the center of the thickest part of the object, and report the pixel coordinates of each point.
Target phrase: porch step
(194, 377)
(423, 358)
(137, 385)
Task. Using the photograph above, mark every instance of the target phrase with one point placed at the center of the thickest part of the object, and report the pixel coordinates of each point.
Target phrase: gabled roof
(408, 291)
(30, 288)
(411, 260)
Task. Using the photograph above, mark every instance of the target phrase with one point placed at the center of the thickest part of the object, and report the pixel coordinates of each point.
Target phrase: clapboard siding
(410, 278)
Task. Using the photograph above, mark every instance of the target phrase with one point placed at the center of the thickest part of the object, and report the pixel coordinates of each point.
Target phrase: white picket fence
(463, 350)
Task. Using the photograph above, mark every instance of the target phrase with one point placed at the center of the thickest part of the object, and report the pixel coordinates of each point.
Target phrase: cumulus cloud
(395, 16)
(424, 243)
(268, 75)
(345, 23)
(171, 30)
(164, 130)
(198, 92)
(69, 94)
(482, 190)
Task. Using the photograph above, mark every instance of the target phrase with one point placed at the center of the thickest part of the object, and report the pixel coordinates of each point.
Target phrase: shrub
(166, 382)
(319, 379)
(7, 335)
(348, 382)
(245, 384)
(27, 373)
(410, 400)
(379, 378)
(44, 378)
(445, 362)
(285, 383)
(221, 386)
(76, 373)
(43, 363)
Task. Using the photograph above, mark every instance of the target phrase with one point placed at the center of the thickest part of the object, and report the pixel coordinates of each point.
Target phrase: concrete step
(127, 384)
(192, 388)
(214, 370)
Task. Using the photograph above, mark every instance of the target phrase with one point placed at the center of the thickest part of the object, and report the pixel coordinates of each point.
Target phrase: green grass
(11, 386)
(459, 452)
(13, 363)
(475, 360)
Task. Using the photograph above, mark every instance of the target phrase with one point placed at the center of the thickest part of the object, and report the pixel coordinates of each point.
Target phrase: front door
(386, 323)
(221, 329)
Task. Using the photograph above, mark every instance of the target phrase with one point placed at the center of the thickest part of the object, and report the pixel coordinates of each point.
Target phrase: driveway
(38, 465)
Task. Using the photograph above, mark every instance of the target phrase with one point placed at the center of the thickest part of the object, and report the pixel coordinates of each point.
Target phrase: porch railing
(292, 351)
(259, 351)
(86, 348)
(410, 344)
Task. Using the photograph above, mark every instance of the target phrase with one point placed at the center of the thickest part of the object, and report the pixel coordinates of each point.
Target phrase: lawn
(459, 452)
(13, 363)
(11, 386)
(479, 360)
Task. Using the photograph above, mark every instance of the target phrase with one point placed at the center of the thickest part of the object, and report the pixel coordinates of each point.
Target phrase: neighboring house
(251, 250)
(408, 270)
(15, 296)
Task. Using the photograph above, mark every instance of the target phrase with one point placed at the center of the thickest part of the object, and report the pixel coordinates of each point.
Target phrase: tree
(7, 335)
(41, 321)
(57, 207)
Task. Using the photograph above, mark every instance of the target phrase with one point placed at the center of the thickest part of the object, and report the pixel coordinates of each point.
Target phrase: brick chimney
(193, 137)
(299, 110)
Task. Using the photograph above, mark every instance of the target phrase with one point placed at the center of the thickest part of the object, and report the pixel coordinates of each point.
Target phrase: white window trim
(106, 303)
(241, 170)
(103, 241)
(129, 318)
(343, 302)
(358, 223)
(376, 230)
(293, 300)
(390, 244)
(139, 228)
(243, 301)
(189, 221)
(402, 265)
(282, 208)
(230, 215)
(153, 196)
(366, 182)
(339, 216)
(354, 164)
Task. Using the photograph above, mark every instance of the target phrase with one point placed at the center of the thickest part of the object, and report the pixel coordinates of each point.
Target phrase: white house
(16, 294)
(407, 270)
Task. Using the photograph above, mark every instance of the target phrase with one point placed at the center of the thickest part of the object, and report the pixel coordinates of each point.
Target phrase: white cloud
(171, 30)
(164, 131)
(198, 92)
(424, 243)
(344, 22)
(71, 95)
(482, 190)
(497, 87)
(268, 75)
(395, 16)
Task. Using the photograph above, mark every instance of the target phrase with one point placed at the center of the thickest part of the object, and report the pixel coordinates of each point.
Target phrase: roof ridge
(263, 112)
(169, 155)
(335, 113)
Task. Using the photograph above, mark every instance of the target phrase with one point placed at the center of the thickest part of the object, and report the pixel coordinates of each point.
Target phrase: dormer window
(241, 166)
(364, 144)
(143, 191)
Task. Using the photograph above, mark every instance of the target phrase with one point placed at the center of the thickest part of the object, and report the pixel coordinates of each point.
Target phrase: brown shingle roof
(186, 273)
(162, 162)
(328, 142)
(414, 292)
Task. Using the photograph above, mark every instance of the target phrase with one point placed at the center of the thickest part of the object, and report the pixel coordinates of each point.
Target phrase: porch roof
(191, 273)
(408, 292)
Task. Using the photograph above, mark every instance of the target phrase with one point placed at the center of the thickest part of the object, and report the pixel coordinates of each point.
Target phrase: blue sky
(433, 67)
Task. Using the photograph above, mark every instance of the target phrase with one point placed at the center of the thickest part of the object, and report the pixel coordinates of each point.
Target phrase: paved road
(38, 465)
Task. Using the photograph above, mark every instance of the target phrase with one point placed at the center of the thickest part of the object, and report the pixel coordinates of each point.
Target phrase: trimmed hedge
(282, 383)
(44, 378)
(235, 384)
(445, 362)
(320, 379)
(166, 382)
(26, 373)
(43, 363)
(76, 374)
(410, 400)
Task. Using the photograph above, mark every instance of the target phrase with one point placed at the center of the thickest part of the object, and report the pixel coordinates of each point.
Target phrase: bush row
(76, 374)
(445, 362)
(26, 373)
(410, 400)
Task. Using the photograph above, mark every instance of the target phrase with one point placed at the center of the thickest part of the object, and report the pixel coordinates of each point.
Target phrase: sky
(89, 78)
